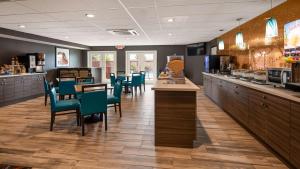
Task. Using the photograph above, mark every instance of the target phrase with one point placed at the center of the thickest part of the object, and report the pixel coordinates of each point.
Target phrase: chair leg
(135, 90)
(115, 107)
(105, 114)
(52, 120)
(70, 96)
(131, 88)
(46, 98)
(82, 125)
(120, 109)
(78, 117)
(144, 87)
(140, 89)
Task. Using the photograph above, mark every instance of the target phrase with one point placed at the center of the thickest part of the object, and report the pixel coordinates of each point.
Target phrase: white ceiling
(195, 20)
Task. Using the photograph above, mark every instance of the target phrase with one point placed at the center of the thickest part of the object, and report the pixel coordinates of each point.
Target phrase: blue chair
(112, 79)
(47, 87)
(93, 101)
(85, 80)
(115, 99)
(66, 87)
(143, 80)
(61, 106)
(135, 82)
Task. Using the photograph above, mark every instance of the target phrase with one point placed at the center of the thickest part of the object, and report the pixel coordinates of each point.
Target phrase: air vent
(123, 32)
(10, 0)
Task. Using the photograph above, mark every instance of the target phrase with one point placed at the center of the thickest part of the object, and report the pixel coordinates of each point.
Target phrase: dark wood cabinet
(16, 88)
(1, 91)
(257, 115)
(9, 89)
(295, 134)
(274, 119)
(278, 124)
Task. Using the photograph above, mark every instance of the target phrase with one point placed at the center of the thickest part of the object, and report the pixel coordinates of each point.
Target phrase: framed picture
(62, 57)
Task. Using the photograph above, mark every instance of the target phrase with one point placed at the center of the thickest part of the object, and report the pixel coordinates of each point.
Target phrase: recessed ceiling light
(170, 34)
(21, 26)
(90, 15)
(66, 37)
(171, 20)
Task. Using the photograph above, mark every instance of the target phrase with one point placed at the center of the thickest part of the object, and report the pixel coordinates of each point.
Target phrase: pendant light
(221, 45)
(239, 37)
(271, 25)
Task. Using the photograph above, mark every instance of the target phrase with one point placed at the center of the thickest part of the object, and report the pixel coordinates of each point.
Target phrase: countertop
(22, 74)
(280, 92)
(163, 85)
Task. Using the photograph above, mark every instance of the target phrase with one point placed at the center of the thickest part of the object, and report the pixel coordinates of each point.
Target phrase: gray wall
(162, 52)
(10, 47)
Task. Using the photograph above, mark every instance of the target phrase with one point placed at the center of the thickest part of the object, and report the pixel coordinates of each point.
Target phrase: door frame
(141, 51)
(102, 72)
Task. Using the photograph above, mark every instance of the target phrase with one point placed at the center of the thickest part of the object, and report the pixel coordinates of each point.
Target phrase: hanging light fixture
(221, 45)
(239, 37)
(271, 25)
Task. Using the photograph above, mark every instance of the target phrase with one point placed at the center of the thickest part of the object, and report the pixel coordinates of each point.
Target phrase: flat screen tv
(292, 41)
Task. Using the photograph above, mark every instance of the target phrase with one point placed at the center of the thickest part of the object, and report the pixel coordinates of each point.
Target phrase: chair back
(46, 86)
(85, 80)
(53, 98)
(93, 99)
(112, 79)
(143, 75)
(66, 86)
(118, 89)
(136, 79)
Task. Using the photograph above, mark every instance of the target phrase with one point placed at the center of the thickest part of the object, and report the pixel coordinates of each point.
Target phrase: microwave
(278, 77)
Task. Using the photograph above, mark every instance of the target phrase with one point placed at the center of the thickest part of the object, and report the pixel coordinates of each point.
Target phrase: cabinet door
(1, 91)
(205, 84)
(9, 89)
(18, 87)
(240, 101)
(257, 114)
(27, 82)
(278, 124)
(40, 84)
(215, 90)
(295, 135)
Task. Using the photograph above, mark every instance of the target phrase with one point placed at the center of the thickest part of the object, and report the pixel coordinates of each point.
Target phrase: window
(106, 60)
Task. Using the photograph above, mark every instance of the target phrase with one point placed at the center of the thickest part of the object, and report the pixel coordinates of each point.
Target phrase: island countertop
(163, 85)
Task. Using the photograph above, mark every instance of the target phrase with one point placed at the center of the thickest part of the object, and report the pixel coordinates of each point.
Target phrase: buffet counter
(20, 87)
(175, 113)
(272, 114)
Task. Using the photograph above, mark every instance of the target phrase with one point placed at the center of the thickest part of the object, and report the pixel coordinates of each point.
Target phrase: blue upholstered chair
(93, 101)
(47, 87)
(61, 106)
(66, 87)
(85, 80)
(135, 82)
(115, 99)
(112, 79)
(143, 80)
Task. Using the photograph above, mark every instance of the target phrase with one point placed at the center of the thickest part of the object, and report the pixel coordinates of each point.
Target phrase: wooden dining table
(127, 76)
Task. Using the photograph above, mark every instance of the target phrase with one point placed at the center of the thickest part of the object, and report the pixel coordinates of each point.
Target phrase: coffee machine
(34, 62)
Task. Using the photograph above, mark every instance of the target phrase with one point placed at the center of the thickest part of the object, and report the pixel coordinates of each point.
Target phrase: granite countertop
(21, 74)
(280, 92)
(163, 85)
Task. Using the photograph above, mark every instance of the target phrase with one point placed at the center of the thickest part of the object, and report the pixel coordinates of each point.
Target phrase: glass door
(106, 60)
(137, 61)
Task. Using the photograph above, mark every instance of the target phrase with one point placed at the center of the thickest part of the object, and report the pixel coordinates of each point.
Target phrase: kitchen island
(175, 113)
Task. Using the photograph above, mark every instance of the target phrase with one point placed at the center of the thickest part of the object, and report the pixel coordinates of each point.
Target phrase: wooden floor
(25, 140)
